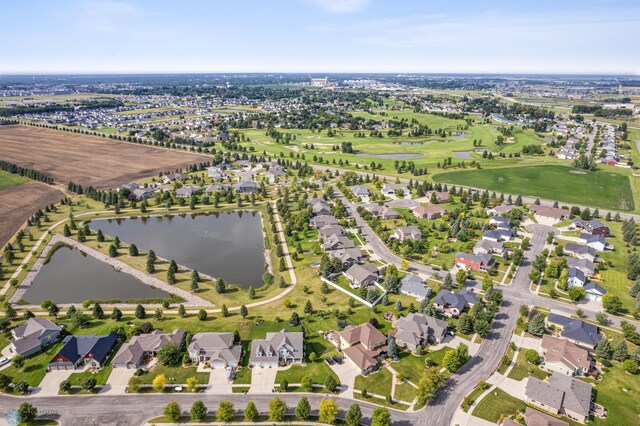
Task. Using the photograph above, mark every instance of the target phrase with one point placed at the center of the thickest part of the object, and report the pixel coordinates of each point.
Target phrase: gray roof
(579, 249)
(577, 330)
(413, 284)
(594, 288)
(360, 190)
(217, 346)
(561, 392)
(455, 300)
(34, 327)
(152, 342)
(360, 273)
(545, 393)
(582, 264)
(577, 273)
(588, 238)
(292, 342)
(415, 327)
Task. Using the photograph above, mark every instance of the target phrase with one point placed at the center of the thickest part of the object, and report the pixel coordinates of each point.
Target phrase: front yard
(498, 403)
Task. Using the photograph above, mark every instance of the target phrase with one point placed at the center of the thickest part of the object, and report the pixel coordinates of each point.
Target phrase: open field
(8, 179)
(88, 160)
(554, 182)
(19, 202)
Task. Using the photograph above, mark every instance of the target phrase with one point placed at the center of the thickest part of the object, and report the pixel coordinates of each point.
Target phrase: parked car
(4, 360)
(337, 359)
(329, 360)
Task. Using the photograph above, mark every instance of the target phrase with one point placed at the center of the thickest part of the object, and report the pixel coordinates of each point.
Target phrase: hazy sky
(528, 36)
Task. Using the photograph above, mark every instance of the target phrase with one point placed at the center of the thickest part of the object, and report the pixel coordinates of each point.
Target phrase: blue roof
(76, 347)
(577, 330)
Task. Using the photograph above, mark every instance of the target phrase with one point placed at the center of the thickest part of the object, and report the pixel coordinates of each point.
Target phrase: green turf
(8, 179)
(598, 189)
(498, 403)
(523, 369)
(618, 393)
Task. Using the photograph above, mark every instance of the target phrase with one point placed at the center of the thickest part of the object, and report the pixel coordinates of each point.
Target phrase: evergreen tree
(303, 409)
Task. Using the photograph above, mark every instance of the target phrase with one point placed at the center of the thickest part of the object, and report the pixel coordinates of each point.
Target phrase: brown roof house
(139, 348)
(419, 329)
(281, 348)
(404, 233)
(363, 345)
(429, 212)
(564, 357)
(560, 395)
(536, 418)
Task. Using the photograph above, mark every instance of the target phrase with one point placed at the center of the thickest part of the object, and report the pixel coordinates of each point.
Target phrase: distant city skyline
(321, 36)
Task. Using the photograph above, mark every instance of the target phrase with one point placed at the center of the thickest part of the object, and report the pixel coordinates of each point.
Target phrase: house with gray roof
(412, 285)
(139, 349)
(391, 189)
(186, 191)
(323, 220)
(419, 329)
(217, 349)
(576, 278)
(140, 194)
(536, 418)
(361, 275)
(452, 304)
(281, 348)
(360, 191)
(586, 266)
(336, 242)
(405, 233)
(247, 187)
(348, 257)
(579, 332)
(561, 395)
(594, 292)
(597, 242)
(320, 209)
(330, 230)
(489, 247)
(34, 335)
(580, 251)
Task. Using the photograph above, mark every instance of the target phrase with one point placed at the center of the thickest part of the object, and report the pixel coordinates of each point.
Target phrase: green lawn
(9, 179)
(523, 369)
(34, 368)
(319, 370)
(381, 401)
(555, 182)
(175, 375)
(378, 382)
(618, 393)
(405, 392)
(498, 403)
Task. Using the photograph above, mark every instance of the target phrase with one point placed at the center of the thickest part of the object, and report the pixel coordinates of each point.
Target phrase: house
(90, 350)
(217, 349)
(497, 235)
(503, 209)
(489, 247)
(389, 189)
(594, 292)
(536, 418)
(584, 265)
(418, 329)
(362, 275)
(244, 164)
(474, 262)
(348, 257)
(500, 222)
(217, 187)
(363, 345)
(437, 197)
(552, 213)
(134, 353)
(429, 212)
(593, 227)
(576, 278)
(452, 304)
(330, 230)
(216, 173)
(274, 173)
(562, 395)
(186, 192)
(360, 191)
(322, 221)
(320, 209)
(174, 177)
(405, 233)
(140, 194)
(563, 357)
(32, 336)
(382, 212)
(281, 348)
(579, 332)
(336, 242)
(596, 242)
(580, 251)
(247, 187)
(412, 285)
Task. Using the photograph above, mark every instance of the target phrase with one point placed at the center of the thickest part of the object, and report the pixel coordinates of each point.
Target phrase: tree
(251, 412)
(173, 411)
(381, 417)
(89, 383)
(140, 312)
(308, 308)
(532, 356)
(392, 349)
(465, 324)
(277, 410)
(27, 412)
(536, 326)
(151, 262)
(448, 281)
(602, 318)
(611, 303)
(284, 385)
(192, 383)
(328, 411)
(455, 359)
(353, 416)
(577, 293)
(133, 250)
(159, 382)
(303, 409)
(252, 293)
(18, 362)
(169, 354)
(182, 311)
(428, 385)
(220, 286)
(53, 310)
(482, 327)
(22, 387)
(202, 315)
(461, 277)
(116, 314)
(225, 413)
(620, 353)
(113, 251)
(64, 386)
(603, 349)
(97, 311)
(244, 312)
(306, 383)
(171, 276)
(630, 366)
(330, 384)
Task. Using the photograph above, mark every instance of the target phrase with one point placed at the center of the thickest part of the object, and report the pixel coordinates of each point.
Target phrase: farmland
(88, 160)
(553, 182)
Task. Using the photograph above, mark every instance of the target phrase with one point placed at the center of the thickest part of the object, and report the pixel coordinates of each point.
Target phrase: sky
(316, 36)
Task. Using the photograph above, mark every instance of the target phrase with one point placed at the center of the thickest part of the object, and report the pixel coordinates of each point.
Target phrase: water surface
(390, 156)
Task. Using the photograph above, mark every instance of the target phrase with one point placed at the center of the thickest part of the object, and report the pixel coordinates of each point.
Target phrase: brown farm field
(19, 202)
(88, 160)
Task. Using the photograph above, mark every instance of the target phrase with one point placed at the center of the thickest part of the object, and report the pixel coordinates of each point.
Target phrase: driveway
(50, 385)
(262, 379)
(118, 381)
(404, 203)
(347, 373)
(218, 383)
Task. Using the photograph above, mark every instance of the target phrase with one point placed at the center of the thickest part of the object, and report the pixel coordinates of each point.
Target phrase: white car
(4, 360)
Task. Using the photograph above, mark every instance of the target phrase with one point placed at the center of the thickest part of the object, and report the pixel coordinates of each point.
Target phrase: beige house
(561, 394)
(363, 345)
(564, 357)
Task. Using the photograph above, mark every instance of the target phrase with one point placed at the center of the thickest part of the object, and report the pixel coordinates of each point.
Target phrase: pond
(226, 245)
(390, 156)
(463, 154)
(73, 277)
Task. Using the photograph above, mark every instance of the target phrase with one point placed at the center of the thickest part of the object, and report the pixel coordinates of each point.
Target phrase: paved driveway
(218, 383)
(262, 379)
(118, 381)
(347, 373)
(50, 385)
